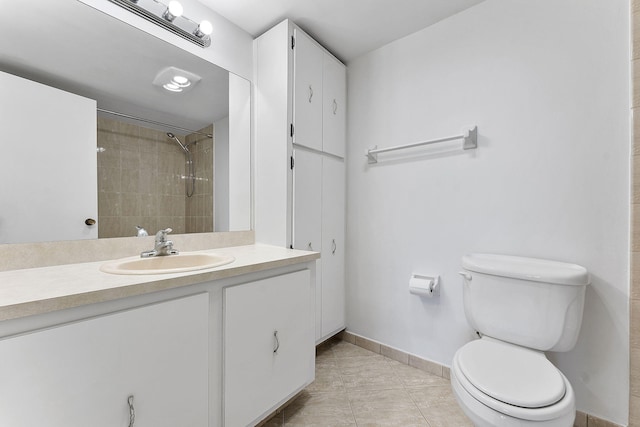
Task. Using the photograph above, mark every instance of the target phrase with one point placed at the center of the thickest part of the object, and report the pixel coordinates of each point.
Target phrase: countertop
(41, 290)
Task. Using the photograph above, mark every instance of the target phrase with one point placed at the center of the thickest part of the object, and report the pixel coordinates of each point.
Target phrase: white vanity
(221, 346)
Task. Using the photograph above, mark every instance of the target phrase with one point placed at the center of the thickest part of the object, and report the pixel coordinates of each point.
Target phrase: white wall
(231, 47)
(547, 83)
(239, 148)
(221, 178)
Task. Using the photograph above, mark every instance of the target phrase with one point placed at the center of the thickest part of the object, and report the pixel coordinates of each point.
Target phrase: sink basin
(166, 264)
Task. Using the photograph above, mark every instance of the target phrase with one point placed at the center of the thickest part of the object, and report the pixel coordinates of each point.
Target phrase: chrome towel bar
(470, 138)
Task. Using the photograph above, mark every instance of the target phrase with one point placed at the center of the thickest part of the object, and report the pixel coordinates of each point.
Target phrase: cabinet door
(333, 245)
(334, 86)
(81, 374)
(269, 351)
(307, 92)
(307, 201)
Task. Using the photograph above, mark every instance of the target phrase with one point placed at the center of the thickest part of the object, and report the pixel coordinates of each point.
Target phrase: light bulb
(206, 28)
(173, 11)
(175, 8)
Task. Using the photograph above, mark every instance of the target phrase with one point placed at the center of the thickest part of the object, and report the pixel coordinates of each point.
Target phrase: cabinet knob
(90, 221)
(132, 411)
(277, 342)
(310, 93)
(309, 246)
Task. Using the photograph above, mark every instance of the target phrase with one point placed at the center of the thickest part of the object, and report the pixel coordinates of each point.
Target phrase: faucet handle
(161, 235)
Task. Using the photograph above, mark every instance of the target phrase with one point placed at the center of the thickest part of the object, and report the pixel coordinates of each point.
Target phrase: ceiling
(347, 28)
(120, 77)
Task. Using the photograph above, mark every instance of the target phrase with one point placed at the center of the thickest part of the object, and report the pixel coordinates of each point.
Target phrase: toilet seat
(511, 374)
(512, 380)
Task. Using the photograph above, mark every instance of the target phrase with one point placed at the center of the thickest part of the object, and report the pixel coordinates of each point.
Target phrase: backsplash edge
(18, 256)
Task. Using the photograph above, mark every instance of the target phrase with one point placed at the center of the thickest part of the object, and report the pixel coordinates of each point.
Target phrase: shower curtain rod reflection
(140, 119)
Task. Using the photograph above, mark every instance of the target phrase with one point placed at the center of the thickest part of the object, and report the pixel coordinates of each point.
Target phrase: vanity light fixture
(170, 17)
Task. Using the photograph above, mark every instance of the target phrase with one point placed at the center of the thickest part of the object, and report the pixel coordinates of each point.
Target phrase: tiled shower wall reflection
(199, 207)
(141, 181)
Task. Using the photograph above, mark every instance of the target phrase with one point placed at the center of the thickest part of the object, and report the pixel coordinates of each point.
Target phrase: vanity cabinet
(82, 373)
(268, 345)
(300, 148)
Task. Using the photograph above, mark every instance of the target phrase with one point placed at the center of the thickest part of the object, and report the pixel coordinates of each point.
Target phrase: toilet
(520, 308)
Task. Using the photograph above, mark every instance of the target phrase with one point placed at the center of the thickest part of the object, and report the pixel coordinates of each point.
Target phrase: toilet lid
(511, 374)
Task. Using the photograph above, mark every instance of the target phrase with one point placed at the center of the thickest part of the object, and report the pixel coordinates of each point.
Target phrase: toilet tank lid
(538, 270)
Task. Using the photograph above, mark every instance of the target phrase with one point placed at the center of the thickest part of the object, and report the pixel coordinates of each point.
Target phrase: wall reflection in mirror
(176, 153)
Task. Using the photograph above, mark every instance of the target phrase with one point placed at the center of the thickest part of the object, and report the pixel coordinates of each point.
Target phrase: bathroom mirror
(147, 141)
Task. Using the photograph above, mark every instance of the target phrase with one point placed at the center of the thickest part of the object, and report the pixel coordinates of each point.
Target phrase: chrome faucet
(140, 231)
(162, 247)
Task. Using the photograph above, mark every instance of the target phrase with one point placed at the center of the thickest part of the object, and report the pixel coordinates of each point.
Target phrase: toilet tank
(531, 302)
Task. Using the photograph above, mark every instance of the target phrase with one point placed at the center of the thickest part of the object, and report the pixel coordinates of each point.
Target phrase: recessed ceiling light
(174, 79)
(181, 80)
(172, 87)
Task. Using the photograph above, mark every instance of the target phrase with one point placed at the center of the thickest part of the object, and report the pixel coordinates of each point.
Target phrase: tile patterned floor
(356, 387)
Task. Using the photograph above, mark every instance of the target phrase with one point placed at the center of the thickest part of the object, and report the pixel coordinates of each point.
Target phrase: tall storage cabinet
(307, 91)
(332, 305)
(300, 147)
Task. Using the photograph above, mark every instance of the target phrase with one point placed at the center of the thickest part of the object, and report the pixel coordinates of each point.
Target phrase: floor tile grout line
(387, 361)
(353, 414)
(415, 404)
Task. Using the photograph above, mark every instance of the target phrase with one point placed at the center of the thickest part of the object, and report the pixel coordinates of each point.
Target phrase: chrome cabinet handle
(333, 246)
(466, 275)
(132, 411)
(310, 93)
(277, 342)
(335, 107)
(309, 246)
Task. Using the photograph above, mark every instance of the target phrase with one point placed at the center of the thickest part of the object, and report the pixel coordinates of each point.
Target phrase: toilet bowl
(501, 384)
(521, 307)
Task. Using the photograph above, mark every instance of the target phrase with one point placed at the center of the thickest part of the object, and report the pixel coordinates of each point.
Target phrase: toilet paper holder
(423, 285)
